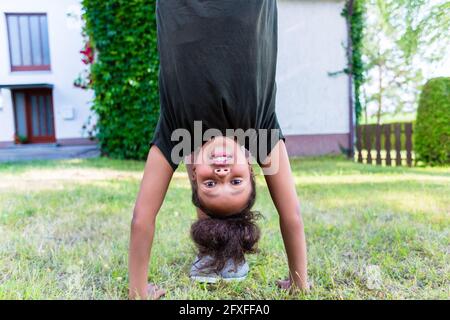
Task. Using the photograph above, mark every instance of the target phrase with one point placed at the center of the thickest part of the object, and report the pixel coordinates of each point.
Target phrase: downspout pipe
(351, 137)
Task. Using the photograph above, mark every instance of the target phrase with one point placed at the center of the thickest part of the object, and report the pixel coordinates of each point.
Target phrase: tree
(401, 37)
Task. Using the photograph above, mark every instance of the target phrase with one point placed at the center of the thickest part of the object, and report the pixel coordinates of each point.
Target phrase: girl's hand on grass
(284, 284)
(154, 292)
(287, 285)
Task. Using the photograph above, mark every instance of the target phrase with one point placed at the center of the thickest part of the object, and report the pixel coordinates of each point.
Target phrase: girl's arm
(284, 195)
(154, 184)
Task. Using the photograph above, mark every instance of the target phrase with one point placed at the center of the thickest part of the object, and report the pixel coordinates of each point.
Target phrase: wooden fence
(386, 144)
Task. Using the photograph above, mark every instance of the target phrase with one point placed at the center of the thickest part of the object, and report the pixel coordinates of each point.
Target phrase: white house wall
(65, 42)
(311, 43)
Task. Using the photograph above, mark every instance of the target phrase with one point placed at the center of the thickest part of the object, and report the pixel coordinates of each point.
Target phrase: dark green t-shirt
(217, 65)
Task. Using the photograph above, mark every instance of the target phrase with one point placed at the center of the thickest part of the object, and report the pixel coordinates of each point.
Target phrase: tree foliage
(402, 37)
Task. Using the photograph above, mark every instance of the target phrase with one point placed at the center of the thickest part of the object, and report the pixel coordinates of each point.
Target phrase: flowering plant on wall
(84, 80)
(88, 53)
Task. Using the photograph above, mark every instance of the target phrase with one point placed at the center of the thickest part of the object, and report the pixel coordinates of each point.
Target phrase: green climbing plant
(354, 12)
(124, 74)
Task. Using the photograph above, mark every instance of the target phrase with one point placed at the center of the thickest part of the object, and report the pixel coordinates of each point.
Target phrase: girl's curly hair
(226, 237)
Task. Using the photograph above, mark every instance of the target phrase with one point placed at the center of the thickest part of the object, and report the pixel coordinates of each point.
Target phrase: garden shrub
(432, 130)
(124, 74)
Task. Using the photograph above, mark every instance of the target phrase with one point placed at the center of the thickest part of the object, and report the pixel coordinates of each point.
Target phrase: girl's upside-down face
(223, 176)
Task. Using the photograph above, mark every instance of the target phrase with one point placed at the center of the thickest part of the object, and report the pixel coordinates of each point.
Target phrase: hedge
(432, 131)
(124, 74)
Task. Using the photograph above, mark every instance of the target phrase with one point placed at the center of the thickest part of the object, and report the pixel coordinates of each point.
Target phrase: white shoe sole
(205, 279)
(234, 279)
(215, 280)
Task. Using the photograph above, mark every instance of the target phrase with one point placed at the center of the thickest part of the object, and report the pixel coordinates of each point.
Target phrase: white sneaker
(202, 273)
(234, 273)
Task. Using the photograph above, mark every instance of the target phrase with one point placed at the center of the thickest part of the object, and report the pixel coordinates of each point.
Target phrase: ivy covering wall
(355, 14)
(124, 74)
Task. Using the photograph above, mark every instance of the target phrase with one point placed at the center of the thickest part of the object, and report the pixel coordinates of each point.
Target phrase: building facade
(313, 107)
(40, 43)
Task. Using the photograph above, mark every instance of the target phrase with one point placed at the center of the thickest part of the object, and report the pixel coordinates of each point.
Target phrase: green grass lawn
(64, 228)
